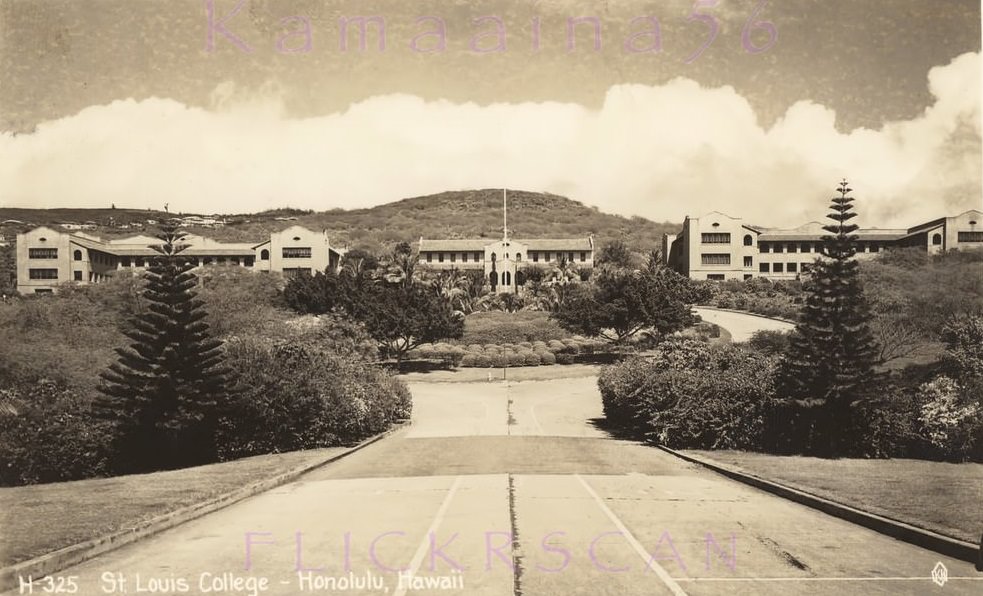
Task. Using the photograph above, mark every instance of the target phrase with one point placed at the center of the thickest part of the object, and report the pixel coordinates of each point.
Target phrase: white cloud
(662, 152)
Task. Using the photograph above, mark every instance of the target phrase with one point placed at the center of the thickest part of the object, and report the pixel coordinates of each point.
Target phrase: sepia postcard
(491, 297)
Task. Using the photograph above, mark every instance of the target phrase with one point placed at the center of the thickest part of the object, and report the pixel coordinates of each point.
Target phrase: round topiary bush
(547, 358)
(516, 359)
(526, 344)
(500, 361)
(483, 361)
(469, 360)
(532, 359)
(424, 351)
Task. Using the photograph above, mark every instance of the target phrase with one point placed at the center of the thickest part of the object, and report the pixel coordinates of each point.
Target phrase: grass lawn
(942, 497)
(42, 518)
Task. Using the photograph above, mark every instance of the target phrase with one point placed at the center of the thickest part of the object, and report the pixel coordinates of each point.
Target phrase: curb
(52, 562)
(748, 313)
(951, 547)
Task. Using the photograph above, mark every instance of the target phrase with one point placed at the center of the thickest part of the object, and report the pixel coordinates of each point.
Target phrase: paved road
(741, 325)
(590, 514)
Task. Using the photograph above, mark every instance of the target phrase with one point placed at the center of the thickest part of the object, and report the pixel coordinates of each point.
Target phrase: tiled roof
(863, 235)
(462, 244)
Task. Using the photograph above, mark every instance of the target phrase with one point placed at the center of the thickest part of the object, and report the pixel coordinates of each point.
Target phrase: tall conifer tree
(832, 353)
(167, 387)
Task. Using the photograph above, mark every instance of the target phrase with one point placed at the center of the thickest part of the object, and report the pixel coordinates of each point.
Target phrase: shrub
(770, 342)
(948, 423)
(485, 361)
(689, 396)
(516, 359)
(469, 360)
(564, 358)
(48, 433)
(500, 360)
(532, 359)
(547, 358)
(302, 394)
(501, 327)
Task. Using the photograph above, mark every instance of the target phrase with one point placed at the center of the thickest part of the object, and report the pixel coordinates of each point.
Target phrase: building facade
(504, 261)
(47, 257)
(717, 246)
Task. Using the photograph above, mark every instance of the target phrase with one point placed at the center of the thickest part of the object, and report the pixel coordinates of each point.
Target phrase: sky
(128, 102)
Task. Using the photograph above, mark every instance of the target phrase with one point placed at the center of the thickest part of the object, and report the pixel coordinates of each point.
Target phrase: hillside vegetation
(455, 214)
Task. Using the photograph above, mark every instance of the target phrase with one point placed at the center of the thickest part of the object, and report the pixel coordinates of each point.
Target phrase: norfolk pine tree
(832, 352)
(166, 390)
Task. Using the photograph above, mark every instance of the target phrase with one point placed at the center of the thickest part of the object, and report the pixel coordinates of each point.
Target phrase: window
(464, 257)
(778, 268)
(763, 267)
(296, 253)
(970, 236)
(250, 261)
(748, 261)
(792, 267)
(77, 275)
(207, 261)
(507, 278)
(748, 276)
(440, 257)
(453, 257)
(583, 257)
(518, 257)
(715, 276)
(430, 257)
(791, 247)
(77, 255)
(570, 258)
(296, 271)
(548, 255)
(477, 257)
(264, 255)
(805, 247)
(748, 240)
(764, 246)
(535, 257)
(875, 247)
(936, 239)
(125, 261)
(715, 259)
(43, 273)
(716, 238)
(138, 261)
(778, 248)
(43, 291)
(42, 253)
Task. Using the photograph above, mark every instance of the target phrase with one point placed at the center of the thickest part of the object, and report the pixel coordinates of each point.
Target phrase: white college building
(47, 257)
(717, 246)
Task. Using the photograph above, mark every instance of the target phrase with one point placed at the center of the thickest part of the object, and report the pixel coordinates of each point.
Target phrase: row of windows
(42, 253)
(783, 267)
(42, 273)
(715, 258)
(296, 253)
(970, 237)
(477, 256)
(717, 238)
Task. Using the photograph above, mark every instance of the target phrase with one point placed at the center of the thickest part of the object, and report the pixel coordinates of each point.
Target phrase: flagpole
(505, 214)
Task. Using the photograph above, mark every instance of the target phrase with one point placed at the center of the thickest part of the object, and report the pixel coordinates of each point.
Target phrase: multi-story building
(504, 262)
(718, 247)
(47, 257)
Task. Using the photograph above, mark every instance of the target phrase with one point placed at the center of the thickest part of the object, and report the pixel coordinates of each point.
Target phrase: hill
(457, 214)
